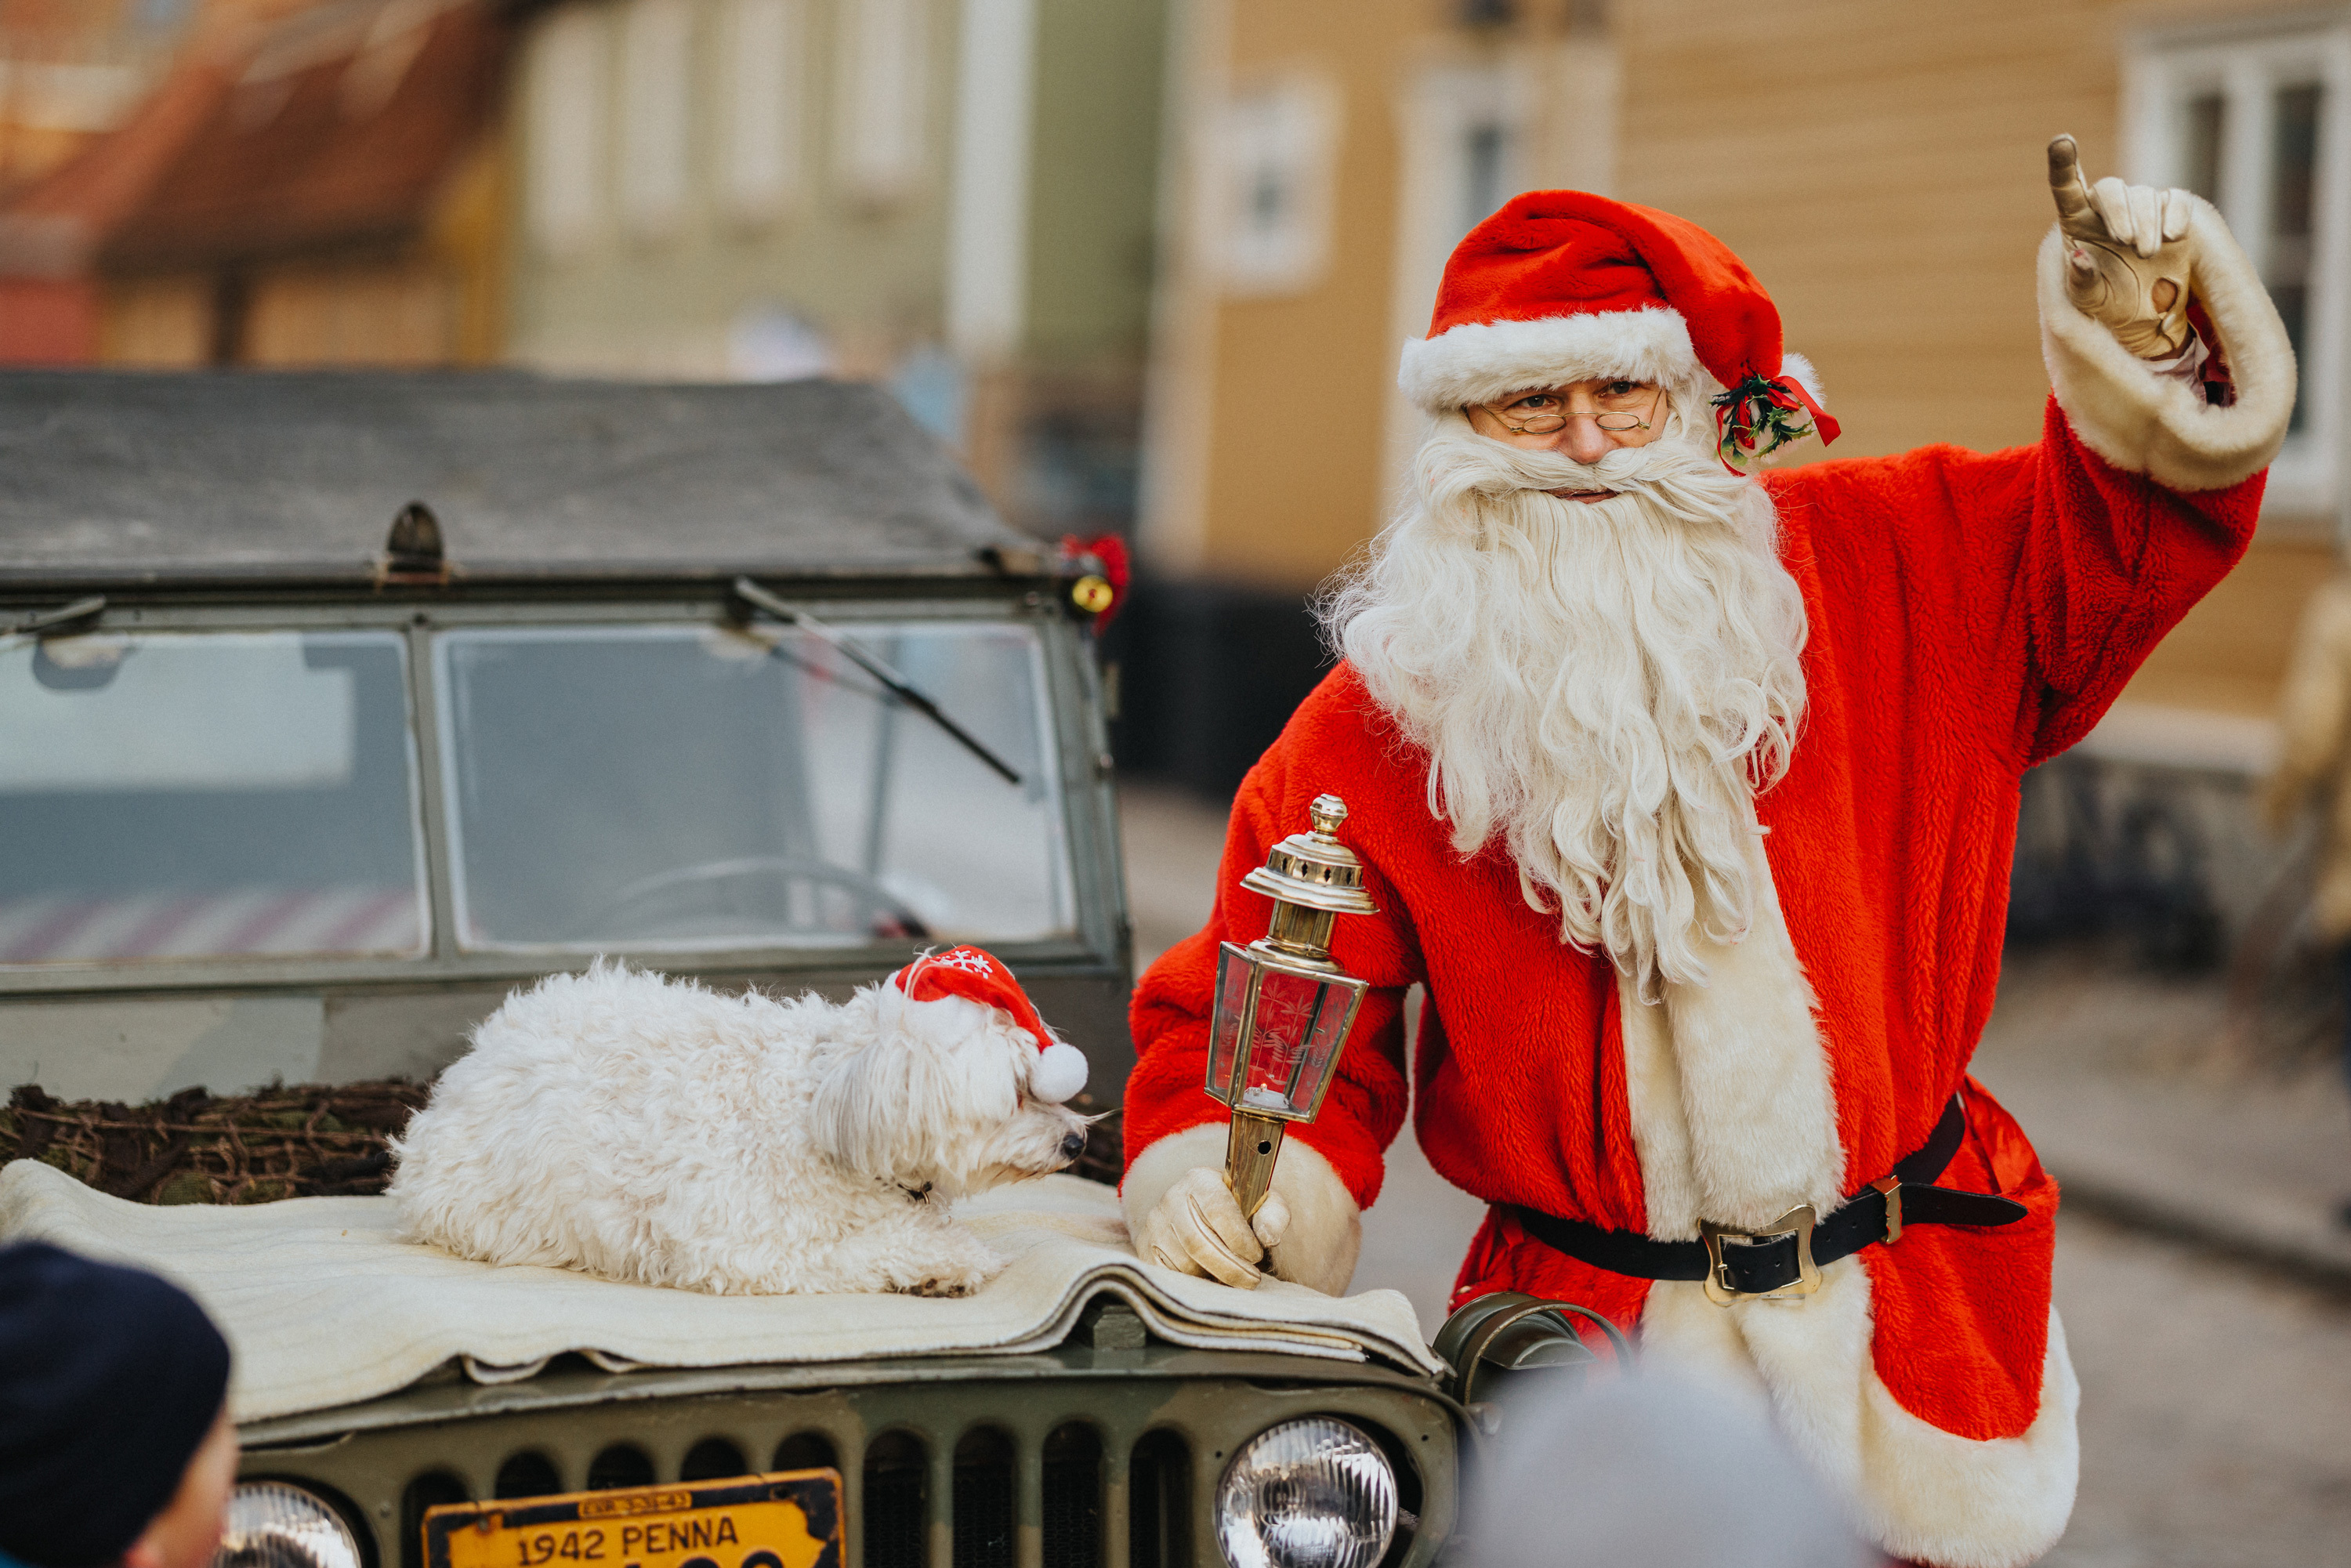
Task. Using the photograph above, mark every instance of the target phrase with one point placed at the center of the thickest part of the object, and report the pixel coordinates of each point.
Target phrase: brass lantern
(1284, 1008)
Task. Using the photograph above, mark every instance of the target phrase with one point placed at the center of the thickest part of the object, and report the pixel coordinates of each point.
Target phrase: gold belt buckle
(1892, 1187)
(1797, 1222)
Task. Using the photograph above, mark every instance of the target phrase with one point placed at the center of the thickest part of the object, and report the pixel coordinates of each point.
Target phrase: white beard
(1604, 685)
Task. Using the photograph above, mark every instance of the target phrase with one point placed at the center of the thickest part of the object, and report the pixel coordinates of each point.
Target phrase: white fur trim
(1326, 1228)
(1734, 1119)
(1653, 1089)
(1150, 1173)
(1482, 362)
(1798, 369)
(1061, 1072)
(2146, 423)
(1916, 1490)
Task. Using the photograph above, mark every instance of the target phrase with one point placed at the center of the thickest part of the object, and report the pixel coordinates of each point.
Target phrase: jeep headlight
(1315, 1493)
(273, 1525)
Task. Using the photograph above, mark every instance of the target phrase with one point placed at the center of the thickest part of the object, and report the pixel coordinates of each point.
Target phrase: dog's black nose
(1072, 1146)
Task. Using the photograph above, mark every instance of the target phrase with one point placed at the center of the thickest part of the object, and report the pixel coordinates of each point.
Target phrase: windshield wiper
(872, 664)
(49, 619)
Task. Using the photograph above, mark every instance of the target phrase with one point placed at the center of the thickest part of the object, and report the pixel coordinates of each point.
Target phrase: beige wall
(1299, 415)
(437, 300)
(399, 316)
(2231, 653)
(1270, 412)
(1882, 170)
(156, 323)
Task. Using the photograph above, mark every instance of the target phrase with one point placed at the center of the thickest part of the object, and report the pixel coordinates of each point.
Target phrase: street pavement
(2201, 1270)
(2216, 1408)
(2205, 1286)
(2145, 1105)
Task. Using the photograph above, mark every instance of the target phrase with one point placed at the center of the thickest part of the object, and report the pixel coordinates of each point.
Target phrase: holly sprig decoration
(1757, 417)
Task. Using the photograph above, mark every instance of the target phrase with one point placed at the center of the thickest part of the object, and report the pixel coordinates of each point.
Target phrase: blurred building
(308, 184)
(69, 71)
(72, 68)
(952, 196)
(1331, 154)
(1881, 170)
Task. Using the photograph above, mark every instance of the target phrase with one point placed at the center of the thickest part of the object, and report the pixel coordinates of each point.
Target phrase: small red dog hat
(978, 977)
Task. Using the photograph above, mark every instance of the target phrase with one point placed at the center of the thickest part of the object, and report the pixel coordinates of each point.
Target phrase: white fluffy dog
(653, 1130)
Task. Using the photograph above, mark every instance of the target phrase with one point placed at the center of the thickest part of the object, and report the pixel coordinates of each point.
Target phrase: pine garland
(307, 1141)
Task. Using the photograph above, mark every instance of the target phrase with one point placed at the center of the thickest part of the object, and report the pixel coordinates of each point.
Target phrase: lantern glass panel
(1234, 971)
(1294, 1043)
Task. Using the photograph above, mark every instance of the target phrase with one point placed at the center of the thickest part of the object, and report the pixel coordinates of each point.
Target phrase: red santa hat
(1562, 285)
(978, 977)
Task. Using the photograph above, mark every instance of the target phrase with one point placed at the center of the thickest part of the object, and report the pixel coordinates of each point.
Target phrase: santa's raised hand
(2129, 254)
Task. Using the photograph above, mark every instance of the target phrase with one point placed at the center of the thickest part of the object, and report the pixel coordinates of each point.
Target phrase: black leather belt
(1784, 1258)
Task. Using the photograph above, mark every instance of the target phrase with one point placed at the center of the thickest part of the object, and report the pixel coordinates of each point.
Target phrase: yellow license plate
(790, 1519)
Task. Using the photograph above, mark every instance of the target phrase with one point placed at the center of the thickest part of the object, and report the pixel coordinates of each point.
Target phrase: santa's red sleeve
(2042, 576)
(1331, 1169)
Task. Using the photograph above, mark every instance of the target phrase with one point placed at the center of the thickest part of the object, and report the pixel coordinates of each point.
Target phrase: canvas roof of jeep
(117, 480)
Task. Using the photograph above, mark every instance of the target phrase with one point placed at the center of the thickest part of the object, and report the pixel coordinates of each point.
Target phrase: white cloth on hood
(324, 1305)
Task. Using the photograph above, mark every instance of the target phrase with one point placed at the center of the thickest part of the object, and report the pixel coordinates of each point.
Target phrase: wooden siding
(1881, 168)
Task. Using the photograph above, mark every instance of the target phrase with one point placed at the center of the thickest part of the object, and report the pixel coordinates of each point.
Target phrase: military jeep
(335, 706)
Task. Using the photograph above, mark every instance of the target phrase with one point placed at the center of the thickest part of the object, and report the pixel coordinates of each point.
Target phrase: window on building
(1278, 142)
(765, 48)
(1470, 138)
(656, 107)
(1486, 181)
(2259, 122)
(1465, 145)
(564, 156)
(160, 15)
(883, 95)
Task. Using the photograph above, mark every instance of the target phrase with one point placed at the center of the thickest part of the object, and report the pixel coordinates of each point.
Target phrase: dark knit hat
(110, 1379)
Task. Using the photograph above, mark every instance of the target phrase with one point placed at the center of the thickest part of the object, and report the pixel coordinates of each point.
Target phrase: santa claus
(1689, 796)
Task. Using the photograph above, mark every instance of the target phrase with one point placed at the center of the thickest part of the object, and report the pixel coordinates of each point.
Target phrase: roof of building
(123, 479)
(336, 128)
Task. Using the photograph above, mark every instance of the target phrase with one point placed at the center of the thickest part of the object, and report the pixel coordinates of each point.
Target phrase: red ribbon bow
(1758, 407)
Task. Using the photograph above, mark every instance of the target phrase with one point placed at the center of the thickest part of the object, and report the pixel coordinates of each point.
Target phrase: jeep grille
(955, 1472)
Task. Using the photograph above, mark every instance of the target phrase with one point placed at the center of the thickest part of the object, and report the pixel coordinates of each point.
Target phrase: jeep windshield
(653, 786)
(657, 786)
(178, 795)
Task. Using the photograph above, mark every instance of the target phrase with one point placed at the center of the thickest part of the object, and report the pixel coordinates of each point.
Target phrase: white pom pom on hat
(1061, 1072)
(976, 976)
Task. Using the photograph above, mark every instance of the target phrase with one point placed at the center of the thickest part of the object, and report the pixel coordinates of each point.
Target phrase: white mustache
(1457, 463)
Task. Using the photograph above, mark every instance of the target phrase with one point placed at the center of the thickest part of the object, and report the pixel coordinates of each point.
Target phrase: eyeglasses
(1618, 406)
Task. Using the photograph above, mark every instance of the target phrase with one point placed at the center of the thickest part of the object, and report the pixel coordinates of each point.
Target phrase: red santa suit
(1970, 616)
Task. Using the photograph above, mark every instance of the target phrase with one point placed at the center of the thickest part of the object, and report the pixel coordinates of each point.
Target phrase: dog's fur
(655, 1132)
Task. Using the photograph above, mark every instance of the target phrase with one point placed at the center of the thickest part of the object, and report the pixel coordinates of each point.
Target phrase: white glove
(1197, 1227)
(2129, 259)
